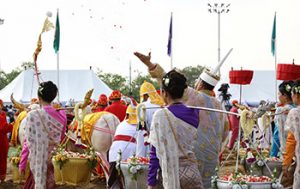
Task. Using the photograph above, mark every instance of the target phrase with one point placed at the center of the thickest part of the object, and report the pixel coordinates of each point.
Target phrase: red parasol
(288, 71)
(242, 77)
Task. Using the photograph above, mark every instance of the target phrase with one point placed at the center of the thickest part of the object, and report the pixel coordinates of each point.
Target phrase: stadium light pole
(218, 8)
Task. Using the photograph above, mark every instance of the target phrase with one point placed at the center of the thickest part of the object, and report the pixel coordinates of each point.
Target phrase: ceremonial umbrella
(288, 71)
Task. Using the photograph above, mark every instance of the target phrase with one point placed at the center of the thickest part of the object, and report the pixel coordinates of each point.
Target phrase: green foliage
(6, 78)
(116, 81)
(192, 73)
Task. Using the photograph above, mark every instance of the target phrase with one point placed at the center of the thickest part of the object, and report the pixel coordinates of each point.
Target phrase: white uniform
(141, 149)
(127, 146)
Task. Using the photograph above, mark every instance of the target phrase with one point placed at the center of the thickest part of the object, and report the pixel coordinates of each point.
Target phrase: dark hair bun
(285, 88)
(47, 91)
(174, 83)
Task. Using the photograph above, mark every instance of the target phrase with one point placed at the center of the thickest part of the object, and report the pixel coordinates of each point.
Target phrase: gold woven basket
(16, 174)
(75, 172)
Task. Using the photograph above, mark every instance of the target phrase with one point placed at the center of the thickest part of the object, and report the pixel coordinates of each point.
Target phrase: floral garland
(297, 89)
(288, 87)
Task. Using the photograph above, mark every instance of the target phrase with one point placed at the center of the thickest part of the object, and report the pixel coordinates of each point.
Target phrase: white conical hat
(212, 77)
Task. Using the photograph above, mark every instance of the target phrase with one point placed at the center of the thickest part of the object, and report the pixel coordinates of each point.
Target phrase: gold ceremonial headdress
(149, 89)
(131, 111)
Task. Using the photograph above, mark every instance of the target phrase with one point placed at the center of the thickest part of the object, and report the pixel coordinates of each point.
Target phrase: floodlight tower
(218, 8)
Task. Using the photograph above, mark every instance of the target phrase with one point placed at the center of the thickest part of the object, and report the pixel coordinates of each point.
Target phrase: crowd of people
(184, 144)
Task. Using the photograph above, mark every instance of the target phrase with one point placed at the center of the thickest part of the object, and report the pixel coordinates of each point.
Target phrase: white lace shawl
(42, 133)
(167, 149)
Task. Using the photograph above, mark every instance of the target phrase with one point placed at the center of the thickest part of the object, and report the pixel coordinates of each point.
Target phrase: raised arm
(146, 59)
(155, 70)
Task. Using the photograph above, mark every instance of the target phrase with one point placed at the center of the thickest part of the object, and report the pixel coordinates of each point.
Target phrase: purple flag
(170, 37)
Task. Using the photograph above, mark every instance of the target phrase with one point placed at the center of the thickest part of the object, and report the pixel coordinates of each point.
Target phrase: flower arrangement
(92, 157)
(15, 161)
(15, 157)
(135, 165)
(240, 181)
(61, 156)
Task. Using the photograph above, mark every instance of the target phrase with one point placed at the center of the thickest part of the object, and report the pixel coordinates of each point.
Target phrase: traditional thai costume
(212, 130)
(44, 130)
(152, 105)
(234, 122)
(124, 143)
(172, 134)
(118, 109)
(280, 134)
(292, 143)
(4, 129)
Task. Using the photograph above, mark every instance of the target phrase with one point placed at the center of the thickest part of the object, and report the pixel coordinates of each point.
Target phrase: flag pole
(275, 59)
(56, 48)
(57, 59)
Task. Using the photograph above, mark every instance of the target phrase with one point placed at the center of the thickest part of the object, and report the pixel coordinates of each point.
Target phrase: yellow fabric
(132, 117)
(289, 149)
(46, 27)
(246, 123)
(88, 124)
(14, 136)
(148, 88)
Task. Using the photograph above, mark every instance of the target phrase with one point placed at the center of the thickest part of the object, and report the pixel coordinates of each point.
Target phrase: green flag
(273, 41)
(57, 35)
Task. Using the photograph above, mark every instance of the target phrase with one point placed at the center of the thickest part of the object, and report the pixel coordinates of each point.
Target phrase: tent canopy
(262, 87)
(72, 84)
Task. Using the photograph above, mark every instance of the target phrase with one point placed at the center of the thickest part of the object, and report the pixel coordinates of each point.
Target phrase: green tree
(3, 81)
(192, 73)
(114, 81)
(6, 78)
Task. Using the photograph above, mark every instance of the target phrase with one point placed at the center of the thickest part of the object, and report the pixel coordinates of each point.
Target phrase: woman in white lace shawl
(44, 130)
(172, 133)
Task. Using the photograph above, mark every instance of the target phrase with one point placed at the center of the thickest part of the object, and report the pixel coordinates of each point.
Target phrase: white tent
(262, 87)
(72, 84)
